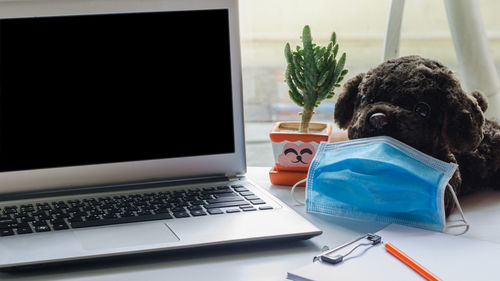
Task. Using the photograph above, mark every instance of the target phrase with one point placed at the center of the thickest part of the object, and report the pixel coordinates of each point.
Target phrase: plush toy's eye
(422, 109)
(362, 99)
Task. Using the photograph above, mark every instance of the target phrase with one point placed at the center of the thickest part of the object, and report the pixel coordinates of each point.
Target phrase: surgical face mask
(380, 179)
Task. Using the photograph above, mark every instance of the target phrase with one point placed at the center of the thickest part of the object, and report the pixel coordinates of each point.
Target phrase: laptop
(121, 132)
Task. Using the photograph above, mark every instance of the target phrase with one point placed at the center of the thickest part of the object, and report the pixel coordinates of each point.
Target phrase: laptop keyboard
(99, 211)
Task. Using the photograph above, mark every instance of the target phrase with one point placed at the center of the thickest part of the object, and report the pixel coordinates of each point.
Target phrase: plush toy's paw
(482, 101)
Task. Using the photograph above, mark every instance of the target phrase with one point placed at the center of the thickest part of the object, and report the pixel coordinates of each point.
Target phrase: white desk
(262, 262)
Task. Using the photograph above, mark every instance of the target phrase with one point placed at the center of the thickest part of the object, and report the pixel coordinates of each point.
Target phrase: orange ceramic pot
(294, 151)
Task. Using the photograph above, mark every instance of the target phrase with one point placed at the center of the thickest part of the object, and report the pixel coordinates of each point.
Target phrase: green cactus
(312, 74)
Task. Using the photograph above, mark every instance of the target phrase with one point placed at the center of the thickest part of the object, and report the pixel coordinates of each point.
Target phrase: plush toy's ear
(481, 100)
(346, 102)
(464, 120)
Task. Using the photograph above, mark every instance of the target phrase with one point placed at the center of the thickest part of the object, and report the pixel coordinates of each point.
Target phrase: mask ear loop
(292, 193)
(459, 208)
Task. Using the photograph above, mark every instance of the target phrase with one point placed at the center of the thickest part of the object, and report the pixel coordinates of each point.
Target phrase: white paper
(448, 257)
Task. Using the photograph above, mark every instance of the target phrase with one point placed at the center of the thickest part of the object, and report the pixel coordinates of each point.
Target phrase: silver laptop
(121, 132)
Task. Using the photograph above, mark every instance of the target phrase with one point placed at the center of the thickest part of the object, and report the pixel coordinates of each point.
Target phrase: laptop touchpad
(125, 235)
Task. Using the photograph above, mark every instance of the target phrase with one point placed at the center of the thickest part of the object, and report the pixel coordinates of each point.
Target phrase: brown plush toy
(421, 103)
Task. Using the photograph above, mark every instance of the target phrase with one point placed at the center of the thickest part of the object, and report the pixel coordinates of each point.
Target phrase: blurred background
(267, 25)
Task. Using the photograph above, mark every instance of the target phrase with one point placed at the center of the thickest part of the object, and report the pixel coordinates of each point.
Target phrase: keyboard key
(10, 210)
(215, 211)
(226, 194)
(61, 215)
(257, 202)
(127, 214)
(197, 213)
(27, 219)
(6, 232)
(246, 193)
(224, 199)
(60, 226)
(43, 206)
(27, 208)
(39, 223)
(265, 208)
(110, 216)
(226, 204)
(24, 230)
(181, 215)
(196, 202)
(7, 221)
(120, 220)
(72, 219)
(232, 211)
(252, 197)
(160, 211)
(195, 208)
(240, 189)
(249, 209)
(4, 217)
(19, 225)
(178, 209)
(42, 228)
(223, 191)
(144, 213)
(93, 218)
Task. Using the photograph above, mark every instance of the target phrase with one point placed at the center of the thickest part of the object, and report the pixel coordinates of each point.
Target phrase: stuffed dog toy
(421, 103)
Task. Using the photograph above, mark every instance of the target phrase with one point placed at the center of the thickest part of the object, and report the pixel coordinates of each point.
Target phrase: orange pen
(411, 263)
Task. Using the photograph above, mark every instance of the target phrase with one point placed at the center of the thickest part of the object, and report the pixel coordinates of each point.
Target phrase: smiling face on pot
(296, 155)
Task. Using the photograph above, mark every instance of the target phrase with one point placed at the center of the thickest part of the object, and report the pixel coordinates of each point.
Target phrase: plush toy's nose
(378, 120)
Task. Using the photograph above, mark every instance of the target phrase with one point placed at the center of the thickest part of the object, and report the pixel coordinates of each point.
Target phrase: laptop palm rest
(125, 236)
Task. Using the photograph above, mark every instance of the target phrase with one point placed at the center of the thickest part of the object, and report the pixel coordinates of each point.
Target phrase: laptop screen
(95, 89)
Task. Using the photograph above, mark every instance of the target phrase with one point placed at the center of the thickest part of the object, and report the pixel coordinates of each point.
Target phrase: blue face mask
(379, 179)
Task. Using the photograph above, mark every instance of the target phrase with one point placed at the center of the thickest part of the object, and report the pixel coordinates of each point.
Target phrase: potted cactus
(312, 74)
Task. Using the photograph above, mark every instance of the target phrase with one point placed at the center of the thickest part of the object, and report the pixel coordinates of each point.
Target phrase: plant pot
(293, 151)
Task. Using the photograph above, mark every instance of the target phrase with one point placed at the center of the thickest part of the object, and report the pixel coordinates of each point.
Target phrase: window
(360, 25)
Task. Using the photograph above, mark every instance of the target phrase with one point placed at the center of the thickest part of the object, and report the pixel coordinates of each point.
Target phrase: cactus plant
(312, 74)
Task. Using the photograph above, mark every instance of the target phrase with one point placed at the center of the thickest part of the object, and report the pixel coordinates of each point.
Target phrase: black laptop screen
(79, 90)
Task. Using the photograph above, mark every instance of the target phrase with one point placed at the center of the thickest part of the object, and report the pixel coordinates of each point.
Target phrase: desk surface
(263, 262)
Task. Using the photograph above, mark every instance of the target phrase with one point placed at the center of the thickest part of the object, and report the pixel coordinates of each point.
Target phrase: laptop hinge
(111, 187)
(233, 178)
